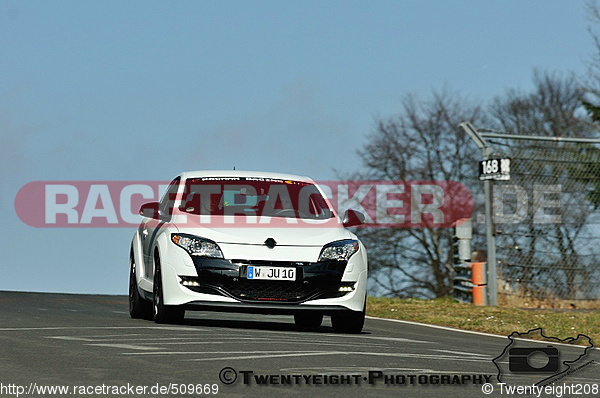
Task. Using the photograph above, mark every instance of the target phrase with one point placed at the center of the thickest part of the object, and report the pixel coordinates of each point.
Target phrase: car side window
(168, 201)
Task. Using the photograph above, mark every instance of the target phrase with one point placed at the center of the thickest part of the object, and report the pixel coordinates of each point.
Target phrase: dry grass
(560, 323)
(514, 301)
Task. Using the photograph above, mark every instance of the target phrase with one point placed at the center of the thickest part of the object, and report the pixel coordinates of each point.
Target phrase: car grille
(244, 289)
(261, 290)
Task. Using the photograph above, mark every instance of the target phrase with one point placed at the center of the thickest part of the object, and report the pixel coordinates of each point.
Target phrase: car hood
(290, 236)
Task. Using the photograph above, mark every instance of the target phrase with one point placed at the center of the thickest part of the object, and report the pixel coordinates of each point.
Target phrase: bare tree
(424, 142)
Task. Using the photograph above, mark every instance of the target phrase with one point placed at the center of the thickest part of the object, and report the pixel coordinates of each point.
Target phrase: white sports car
(245, 241)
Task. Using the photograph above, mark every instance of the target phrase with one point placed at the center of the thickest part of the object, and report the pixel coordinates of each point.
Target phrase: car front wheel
(349, 321)
(163, 313)
(138, 307)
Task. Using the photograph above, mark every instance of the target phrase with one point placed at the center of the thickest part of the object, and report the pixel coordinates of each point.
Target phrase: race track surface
(91, 342)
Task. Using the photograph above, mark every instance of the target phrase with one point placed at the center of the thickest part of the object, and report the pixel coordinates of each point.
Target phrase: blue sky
(144, 90)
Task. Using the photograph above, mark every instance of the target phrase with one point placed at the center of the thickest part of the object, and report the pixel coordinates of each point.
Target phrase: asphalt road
(90, 341)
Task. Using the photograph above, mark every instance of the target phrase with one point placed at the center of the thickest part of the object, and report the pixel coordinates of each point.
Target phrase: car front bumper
(222, 285)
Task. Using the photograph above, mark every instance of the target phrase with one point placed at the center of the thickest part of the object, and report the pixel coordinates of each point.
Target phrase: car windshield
(254, 196)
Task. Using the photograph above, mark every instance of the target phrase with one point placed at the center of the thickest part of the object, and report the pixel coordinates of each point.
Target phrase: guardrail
(470, 283)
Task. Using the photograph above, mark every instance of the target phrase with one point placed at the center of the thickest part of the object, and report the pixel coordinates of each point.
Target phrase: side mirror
(353, 218)
(149, 210)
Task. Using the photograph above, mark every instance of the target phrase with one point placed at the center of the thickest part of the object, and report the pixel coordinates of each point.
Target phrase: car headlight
(197, 246)
(339, 251)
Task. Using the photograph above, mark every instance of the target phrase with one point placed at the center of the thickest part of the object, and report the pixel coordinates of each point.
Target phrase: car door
(152, 226)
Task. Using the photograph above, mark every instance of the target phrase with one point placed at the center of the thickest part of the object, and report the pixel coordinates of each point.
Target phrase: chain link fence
(547, 220)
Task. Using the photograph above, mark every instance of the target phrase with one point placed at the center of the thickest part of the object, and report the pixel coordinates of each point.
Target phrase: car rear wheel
(138, 307)
(163, 313)
(349, 321)
(308, 320)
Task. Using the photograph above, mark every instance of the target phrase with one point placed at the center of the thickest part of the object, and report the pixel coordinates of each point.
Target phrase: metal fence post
(492, 276)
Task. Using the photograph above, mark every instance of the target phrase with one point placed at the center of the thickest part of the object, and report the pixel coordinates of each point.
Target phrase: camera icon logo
(533, 360)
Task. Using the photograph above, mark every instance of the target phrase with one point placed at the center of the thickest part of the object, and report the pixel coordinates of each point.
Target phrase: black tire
(308, 320)
(163, 313)
(139, 308)
(349, 321)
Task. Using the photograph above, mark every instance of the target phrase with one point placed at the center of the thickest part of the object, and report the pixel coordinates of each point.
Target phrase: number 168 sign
(494, 169)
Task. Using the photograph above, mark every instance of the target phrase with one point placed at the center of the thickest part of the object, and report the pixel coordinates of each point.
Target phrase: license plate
(271, 273)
